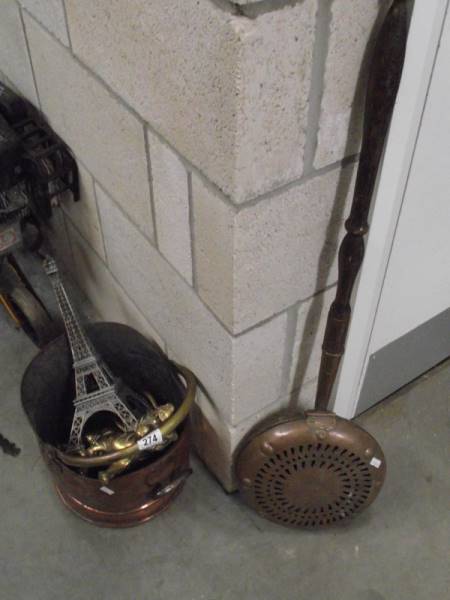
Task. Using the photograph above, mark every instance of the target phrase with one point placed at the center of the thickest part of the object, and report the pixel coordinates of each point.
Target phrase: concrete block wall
(217, 144)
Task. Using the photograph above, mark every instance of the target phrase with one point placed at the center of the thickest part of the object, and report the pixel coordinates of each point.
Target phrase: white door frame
(423, 42)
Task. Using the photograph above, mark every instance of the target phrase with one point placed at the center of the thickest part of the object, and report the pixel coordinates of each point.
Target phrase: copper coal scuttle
(107, 405)
(117, 484)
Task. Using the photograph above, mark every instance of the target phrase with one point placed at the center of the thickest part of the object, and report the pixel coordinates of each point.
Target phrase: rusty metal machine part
(42, 161)
(321, 470)
(23, 305)
(35, 167)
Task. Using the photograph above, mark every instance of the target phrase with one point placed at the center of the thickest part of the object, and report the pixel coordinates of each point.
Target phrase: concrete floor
(208, 545)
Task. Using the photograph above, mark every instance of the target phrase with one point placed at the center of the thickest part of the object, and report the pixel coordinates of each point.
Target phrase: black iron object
(35, 167)
(9, 447)
(40, 161)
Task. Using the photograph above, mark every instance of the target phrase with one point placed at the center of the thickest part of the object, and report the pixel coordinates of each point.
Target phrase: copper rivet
(322, 435)
(246, 482)
(267, 449)
(368, 452)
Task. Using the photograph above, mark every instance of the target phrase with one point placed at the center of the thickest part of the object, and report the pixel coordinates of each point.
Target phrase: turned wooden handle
(383, 82)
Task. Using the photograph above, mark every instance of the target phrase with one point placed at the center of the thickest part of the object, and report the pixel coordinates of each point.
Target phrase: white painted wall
(411, 199)
(417, 283)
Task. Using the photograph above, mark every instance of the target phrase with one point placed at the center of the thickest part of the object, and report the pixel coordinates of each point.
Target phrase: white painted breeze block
(220, 461)
(14, 59)
(351, 25)
(241, 373)
(51, 14)
(310, 328)
(255, 263)
(108, 298)
(214, 84)
(171, 202)
(94, 124)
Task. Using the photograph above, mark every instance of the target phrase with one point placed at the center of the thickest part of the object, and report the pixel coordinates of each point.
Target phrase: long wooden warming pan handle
(384, 80)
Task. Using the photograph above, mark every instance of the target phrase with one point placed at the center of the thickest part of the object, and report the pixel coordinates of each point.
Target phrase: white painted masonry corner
(210, 136)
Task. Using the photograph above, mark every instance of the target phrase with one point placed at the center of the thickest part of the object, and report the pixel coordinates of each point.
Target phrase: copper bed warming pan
(319, 470)
(146, 488)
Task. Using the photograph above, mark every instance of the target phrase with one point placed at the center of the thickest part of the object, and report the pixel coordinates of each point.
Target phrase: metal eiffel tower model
(96, 388)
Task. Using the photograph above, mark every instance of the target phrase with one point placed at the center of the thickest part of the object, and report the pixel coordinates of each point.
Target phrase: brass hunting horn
(320, 469)
(165, 430)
